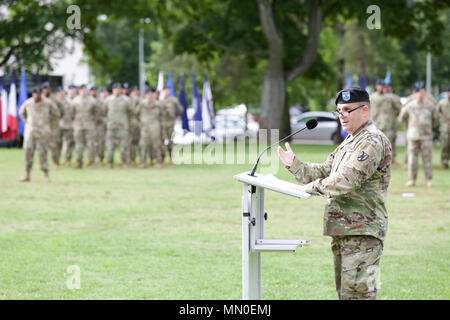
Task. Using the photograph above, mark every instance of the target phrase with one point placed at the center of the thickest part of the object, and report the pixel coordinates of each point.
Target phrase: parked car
(327, 127)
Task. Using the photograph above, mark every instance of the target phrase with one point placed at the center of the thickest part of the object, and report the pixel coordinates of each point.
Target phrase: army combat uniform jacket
(354, 178)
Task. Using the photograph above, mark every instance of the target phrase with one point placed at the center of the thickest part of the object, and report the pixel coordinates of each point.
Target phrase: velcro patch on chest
(363, 156)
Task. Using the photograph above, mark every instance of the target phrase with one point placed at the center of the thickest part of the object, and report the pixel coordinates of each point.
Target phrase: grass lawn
(175, 233)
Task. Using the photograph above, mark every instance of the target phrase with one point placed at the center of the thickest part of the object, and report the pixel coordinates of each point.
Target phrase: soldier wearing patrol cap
(354, 179)
(421, 116)
(54, 124)
(443, 109)
(38, 113)
(118, 110)
(67, 142)
(134, 126)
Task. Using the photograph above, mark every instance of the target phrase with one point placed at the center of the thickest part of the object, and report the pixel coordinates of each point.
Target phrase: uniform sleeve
(54, 110)
(403, 116)
(397, 105)
(306, 172)
(178, 107)
(361, 165)
(23, 112)
(436, 118)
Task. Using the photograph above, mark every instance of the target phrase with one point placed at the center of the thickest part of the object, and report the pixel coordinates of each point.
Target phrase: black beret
(117, 85)
(59, 89)
(380, 82)
(104, 89)
(419, 86)
(46, 84)
(72, 86)
(351, 95)
(135, 88)
(125, 85)
(36, 89)
(149, 90)
(448, 88)
(82, 86)
(93, 88)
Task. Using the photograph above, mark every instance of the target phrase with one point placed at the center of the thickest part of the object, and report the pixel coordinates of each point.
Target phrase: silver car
(327, 127)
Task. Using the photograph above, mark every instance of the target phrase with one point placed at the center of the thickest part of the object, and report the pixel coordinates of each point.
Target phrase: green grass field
(175, 233)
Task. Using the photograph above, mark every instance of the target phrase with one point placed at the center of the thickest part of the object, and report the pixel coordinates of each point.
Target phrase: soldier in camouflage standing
(84, 117)
(354, 179)
(148, 112)
(134, 126)
(384, 109)
(67, 142)
(119, 109)
(421, 116)
(443, 109)
(37, 114)
(101, 125)
(55, 140)
(171, 108)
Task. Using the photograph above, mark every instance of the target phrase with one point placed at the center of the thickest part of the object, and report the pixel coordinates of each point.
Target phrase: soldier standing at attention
(148, 112)
(354, 179)
(171, 108)
(420, 115)
(84, 116)
(54, 124)
(101, 125)
(37, 114)
(134, 126)
(67, 142)
(118, 109)
(385, 108)
(443, 109)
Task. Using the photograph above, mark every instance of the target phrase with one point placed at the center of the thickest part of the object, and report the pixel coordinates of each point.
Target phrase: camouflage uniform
(443, 109)
(84, 117)
(149, 115)
(67, 142)
(38, 117)
(55, 140)
(384, 111)
(100, 129)
(420, 118)
(354, 178)
(134, 129)
(118, 111)
(170, 109)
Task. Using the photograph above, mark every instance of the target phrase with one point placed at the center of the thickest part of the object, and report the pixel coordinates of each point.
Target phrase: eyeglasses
(346, 113)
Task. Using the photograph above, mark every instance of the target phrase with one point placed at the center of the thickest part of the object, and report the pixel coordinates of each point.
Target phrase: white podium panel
(253, 216)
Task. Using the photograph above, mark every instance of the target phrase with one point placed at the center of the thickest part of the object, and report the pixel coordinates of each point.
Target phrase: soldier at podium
(354, 179)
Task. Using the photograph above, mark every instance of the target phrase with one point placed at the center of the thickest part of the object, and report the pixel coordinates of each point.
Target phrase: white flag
(4, 124)
(207, 107)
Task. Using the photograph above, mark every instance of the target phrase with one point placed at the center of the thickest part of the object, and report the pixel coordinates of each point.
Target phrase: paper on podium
(273, 183)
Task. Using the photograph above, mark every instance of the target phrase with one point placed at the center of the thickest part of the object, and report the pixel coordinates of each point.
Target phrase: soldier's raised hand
(287, 157)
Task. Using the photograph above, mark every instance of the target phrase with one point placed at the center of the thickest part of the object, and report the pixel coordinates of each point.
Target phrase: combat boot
(111, 166)
(444, 166)
(79, 165)
(133, 163)
(100, 164)
(91, 164)
(142, 165)
(410, 183)
(26, 178)
(67, 162)
(124, 165)
(47, 177)
(429, 183)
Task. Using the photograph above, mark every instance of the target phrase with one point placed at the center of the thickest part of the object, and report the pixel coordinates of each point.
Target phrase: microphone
(310, 124)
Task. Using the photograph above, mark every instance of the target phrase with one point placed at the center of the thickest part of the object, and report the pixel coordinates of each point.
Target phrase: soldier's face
(94, 93)
(379, 88)
(117, 91)
(84, 91)
(47, 91)
(135, 92)
(37, 96)
(419, 94)
(149, 96)
(355, 119)
(61, 94)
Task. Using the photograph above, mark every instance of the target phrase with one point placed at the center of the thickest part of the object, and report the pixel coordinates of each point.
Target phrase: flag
(160, 85)
(349, 80)
(4, 104)
(196, 105)
(387, 80)
(183, 102)
(207, 108)
(12, 109)
(360, 84)
(366, 84)
(170, 85)
(23, 96)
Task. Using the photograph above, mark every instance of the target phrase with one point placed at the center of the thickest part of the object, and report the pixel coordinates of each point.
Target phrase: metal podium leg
(251, 261)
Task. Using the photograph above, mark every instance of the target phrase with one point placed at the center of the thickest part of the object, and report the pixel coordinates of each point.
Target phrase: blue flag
(183, 102)
(360, 84)
(170, 85)
(23, 96)
(198, 125)
(349, 80)
(387, 80)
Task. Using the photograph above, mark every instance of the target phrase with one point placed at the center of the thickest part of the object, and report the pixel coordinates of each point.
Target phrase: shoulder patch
(363, 156)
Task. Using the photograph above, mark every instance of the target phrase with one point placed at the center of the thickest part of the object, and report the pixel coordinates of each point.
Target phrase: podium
(253, 217)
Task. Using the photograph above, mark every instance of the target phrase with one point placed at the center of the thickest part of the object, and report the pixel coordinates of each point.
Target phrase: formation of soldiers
(420, 115)
(81, 122)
